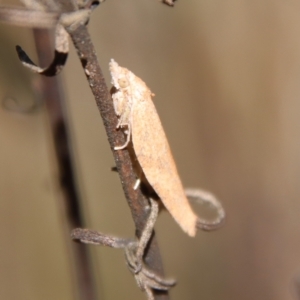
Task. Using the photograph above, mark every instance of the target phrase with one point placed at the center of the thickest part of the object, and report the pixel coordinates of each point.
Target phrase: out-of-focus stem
(52, 93)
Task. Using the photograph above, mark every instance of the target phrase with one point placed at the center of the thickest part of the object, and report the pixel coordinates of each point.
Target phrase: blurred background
(226, 75)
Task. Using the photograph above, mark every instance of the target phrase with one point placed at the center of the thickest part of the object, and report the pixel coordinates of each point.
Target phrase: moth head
(118, 75)
(123, 82)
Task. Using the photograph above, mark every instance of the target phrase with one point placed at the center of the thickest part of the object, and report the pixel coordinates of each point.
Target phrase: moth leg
(121, 122)
(137, 184)
(128, 134)
(199, 195)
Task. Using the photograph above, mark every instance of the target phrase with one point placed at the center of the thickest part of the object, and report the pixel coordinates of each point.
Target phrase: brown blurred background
(226, 75)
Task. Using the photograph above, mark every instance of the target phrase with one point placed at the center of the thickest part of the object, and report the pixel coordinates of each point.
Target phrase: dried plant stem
(52, 94)
(136, 201)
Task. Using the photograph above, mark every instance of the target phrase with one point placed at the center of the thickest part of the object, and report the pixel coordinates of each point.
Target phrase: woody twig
(135, 198)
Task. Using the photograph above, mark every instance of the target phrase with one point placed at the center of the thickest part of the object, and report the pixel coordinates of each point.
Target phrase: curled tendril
(201, 196)
(61, 41)
(53, 69)
(60, 55)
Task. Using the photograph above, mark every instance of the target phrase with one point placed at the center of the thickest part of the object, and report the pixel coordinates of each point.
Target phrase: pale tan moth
(136, 112)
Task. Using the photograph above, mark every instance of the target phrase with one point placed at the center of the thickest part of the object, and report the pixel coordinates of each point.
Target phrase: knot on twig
(146, 279)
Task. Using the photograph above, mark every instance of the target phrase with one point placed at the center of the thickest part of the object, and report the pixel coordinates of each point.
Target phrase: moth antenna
(119, 123)
(199, 195)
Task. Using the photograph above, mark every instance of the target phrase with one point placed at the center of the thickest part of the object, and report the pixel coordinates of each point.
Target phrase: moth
(137, 116)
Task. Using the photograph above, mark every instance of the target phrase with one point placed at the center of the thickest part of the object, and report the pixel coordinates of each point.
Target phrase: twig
(52, 94)
(136, 200)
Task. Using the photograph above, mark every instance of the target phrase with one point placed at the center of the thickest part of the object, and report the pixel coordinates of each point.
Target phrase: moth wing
(154, 155)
